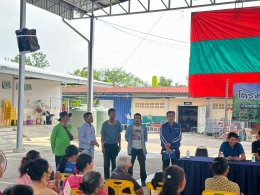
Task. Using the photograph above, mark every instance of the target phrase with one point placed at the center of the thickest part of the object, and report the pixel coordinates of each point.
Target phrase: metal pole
(19, 141)
(208, 108)
(226, 104)
(68, 105)
(90, 62)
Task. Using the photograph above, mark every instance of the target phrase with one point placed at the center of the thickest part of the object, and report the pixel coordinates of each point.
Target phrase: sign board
(246, 102)
(187, 103)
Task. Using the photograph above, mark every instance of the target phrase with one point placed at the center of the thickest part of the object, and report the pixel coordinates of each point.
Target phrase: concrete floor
(153, 163)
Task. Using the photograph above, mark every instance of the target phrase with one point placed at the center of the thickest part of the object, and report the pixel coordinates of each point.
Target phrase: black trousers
(166, 163)
(139, 153)
(57, 160)
(111, 152)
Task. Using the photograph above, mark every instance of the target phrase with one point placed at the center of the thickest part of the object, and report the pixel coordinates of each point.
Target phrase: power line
(151, 40)
(143, 32)
(140, 43)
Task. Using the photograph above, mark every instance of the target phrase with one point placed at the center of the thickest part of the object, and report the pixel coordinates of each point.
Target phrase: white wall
(41, 90)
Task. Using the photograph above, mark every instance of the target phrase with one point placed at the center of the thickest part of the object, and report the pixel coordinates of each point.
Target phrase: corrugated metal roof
(12, 68)
(127, 90)
(69, 8)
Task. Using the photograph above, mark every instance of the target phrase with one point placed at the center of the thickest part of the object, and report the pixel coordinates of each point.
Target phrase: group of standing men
(136, 135)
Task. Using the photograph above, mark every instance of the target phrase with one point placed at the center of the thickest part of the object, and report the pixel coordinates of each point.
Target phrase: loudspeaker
(27, 40)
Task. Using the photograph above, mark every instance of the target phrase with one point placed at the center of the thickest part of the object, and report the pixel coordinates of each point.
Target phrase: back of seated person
(24, 178)
(123, 163)
(92, 184)
(220, 181)
(68, 162)
(18, 190)
(174, 181)
(39, 171)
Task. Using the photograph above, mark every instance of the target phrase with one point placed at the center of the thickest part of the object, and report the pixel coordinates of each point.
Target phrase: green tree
(84, 73)
(121, 78)
(116, 76)
(164, 82)
(36, 59)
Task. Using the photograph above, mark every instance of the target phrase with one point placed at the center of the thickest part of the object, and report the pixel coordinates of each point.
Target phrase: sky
(113, 47)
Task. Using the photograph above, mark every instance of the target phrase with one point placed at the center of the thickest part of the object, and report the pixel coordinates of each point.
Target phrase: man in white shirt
(136, 136)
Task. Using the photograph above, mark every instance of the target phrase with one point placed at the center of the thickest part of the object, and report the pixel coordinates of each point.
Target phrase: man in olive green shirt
(61, 137)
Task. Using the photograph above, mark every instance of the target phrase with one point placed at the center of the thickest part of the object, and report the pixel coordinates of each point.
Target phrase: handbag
(69, 134)
(168, 156)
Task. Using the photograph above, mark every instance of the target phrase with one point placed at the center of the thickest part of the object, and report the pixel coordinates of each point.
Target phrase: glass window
(141, 105)
(221, 106)
(151, 105)
(146, 105)
(161, 105)
(215, 106)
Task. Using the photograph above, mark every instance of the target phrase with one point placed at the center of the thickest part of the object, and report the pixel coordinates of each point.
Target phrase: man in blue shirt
(87, 135)
(232, 149)
(170, 138)
(111, 141)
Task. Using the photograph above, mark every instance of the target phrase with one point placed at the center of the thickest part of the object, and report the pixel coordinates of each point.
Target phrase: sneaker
(143, 183)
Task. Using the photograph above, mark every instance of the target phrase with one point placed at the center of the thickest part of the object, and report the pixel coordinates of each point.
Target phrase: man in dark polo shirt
(123, 163)
(232, 149)
(256, 147)
(111, 141)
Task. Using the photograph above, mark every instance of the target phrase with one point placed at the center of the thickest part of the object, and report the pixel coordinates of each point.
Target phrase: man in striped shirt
(170, 139)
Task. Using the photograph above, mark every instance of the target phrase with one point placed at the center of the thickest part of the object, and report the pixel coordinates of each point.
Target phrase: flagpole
(226, 105)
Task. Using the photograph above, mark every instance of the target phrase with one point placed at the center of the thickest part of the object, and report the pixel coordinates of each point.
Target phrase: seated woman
(123, 163)
(68, 162)
(24, 178)
(174, 181)
(84, 164)
(92, 183)
(39, 172)
(220, 181)
(18, 190)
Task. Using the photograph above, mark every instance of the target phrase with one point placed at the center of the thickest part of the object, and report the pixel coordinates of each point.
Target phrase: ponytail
(25, 167)
(30, 156)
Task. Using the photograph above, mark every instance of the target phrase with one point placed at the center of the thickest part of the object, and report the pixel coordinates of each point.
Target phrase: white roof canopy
(12, 68)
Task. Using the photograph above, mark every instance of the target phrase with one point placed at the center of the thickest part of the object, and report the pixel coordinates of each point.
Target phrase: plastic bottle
(253, 157)
(221, 154)
(188, 154)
